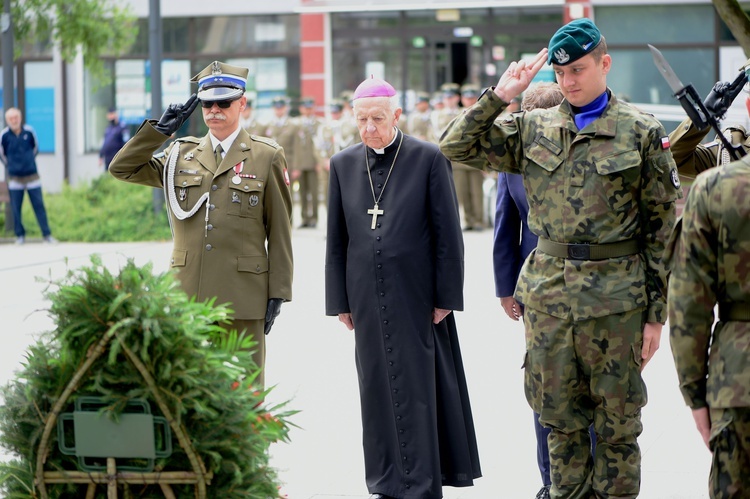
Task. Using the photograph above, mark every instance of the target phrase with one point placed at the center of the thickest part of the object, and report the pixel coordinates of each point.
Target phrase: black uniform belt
(734, 311)
(588, 251)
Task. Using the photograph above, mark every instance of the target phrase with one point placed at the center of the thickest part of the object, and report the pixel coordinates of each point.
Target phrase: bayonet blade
(666, 70)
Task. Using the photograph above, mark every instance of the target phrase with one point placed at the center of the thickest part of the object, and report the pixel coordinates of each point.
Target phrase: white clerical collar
(226, 143)
(382, 151)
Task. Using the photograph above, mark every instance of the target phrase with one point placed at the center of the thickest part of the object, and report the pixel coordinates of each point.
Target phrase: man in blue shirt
(115, 136)
(18, 149)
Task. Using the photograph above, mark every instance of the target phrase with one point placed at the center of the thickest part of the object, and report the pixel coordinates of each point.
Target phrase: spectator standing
(115, 136)
(18, 149)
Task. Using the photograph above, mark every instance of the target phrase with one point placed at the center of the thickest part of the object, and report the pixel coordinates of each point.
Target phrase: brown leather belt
(734, 311)
(589, 251)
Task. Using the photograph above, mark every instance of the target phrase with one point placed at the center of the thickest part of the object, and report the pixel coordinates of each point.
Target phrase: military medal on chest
(236, 180)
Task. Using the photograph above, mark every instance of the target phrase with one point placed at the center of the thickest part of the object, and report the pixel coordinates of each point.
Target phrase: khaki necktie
(217, 154)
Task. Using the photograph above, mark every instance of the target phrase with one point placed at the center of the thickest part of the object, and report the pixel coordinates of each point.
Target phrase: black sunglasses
(223, 104)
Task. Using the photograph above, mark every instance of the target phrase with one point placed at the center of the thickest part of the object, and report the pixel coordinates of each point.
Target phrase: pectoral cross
(374, 212)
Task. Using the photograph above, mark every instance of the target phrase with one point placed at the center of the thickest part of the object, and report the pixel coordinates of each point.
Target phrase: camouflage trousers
(583, 372)
(730, 444)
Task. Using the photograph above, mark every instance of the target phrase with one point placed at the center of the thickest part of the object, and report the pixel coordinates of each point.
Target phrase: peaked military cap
(221, 81)
(307, 102)
(423, 97)
(279, 101)
(336, 105)
(450, 89)
(470, 90)
(574, 40)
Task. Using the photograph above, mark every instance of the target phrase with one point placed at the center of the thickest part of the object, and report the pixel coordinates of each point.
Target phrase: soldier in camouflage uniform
(601, 186)
(710, 268)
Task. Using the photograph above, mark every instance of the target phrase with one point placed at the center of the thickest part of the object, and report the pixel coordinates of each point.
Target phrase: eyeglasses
(223, 104)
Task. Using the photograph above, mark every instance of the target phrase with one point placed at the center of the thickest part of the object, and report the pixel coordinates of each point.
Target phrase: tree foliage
(143, 339)
(88, 27)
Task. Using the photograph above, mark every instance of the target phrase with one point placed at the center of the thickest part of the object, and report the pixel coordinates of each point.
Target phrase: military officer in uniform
(281, 128)
(306, 163)
(248, 121)
(339, 132)
(709, 268)
(419, 120)
(228, 200)
(601, 185)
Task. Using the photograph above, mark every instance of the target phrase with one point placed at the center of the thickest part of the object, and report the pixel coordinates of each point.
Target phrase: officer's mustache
(216, 116)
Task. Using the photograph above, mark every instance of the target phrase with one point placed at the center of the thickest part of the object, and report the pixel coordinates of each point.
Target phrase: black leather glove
(273, 310)
(175, 115)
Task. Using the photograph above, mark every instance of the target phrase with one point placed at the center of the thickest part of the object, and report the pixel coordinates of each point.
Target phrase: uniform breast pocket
(246, 198)
(621, 172)
(187, 188)
(541, 160)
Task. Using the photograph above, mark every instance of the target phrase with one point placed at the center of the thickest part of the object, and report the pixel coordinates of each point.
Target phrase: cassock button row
(385, 322)
(407, 471)
(389, 350)
(401, 431)
(394, 377)
(380, 186)
(378, 238)
(403, 444)
(383, 307)
(382, 294)
(377, 252)
(380, 280)
(380, 172)
(387, 336)
(398, 418)
(378, 224)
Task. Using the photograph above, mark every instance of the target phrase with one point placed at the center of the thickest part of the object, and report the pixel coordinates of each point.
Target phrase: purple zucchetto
(374, 87)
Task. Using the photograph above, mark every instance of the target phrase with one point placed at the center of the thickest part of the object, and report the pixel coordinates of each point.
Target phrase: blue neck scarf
(588, 113)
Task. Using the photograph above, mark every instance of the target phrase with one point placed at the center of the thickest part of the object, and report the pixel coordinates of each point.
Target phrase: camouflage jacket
(613, 181)
(710, 265)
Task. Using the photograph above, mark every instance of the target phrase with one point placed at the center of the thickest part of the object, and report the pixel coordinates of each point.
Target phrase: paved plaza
(310, 360)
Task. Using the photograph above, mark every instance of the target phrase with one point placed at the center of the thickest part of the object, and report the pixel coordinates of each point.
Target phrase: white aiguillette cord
(168, 182)
(375, 211)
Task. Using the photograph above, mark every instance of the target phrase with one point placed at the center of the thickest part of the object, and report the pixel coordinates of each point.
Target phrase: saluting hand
(518, 76)
(175, 115)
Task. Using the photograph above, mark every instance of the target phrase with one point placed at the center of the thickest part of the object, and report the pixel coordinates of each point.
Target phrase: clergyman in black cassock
(394, 273)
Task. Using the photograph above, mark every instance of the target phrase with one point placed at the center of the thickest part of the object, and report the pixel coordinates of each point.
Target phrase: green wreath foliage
(203, 374)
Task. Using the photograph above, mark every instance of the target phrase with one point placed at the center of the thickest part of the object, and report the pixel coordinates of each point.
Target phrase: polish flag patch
(286, 176)
(665, 142)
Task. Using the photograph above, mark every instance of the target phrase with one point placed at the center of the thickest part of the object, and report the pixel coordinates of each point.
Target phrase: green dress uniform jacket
(613, 181)
(692, 157)
(282, 130)
(420, 126)
(307, 143)
(236, 246)
(710, 266)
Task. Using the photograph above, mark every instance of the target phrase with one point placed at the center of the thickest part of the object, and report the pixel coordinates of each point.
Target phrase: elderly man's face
(13, 118)
(376, 120)
(222, 122)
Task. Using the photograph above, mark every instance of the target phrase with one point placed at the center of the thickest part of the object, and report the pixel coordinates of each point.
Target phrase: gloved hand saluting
(175, 115)
(273, 310)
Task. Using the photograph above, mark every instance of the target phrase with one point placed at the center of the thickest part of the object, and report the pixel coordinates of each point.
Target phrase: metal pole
(8, 85)
(155, 57)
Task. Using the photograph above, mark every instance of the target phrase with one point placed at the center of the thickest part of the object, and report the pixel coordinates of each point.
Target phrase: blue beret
(573, 41)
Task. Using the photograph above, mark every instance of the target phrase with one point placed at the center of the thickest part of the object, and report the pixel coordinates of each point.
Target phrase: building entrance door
(450, 62)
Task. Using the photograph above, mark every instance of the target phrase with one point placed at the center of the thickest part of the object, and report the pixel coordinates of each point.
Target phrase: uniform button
(214, 187)
(404, 458)
(389, 350)
(257, 268)
(382, 308)
(382, 294)
(184, 183)
(390, 364)
(172, 260)
(401, 431)
(394, 377)
(212, 207)
(403, 444)
(380, 172)
(398, 417)
(407, 471)
(247, 187)
(380, 280)
(380, 186)
(209, 247)
(210, 227)
(387, 336)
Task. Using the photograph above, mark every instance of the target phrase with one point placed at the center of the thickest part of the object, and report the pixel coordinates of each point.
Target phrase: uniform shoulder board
(265, 140)
(190, 140)
(709, 145)
(159, 155)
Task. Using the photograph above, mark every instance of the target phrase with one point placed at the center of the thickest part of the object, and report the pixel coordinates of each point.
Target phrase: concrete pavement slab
(310, 361)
